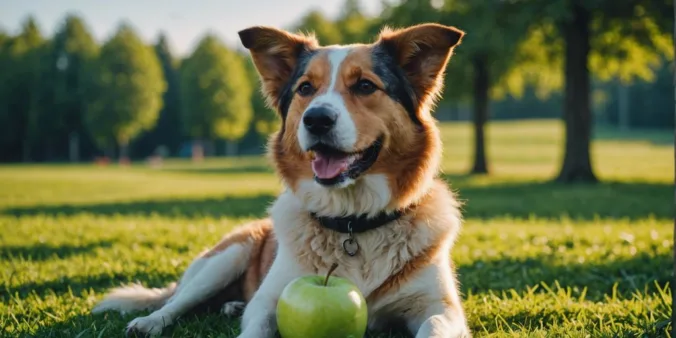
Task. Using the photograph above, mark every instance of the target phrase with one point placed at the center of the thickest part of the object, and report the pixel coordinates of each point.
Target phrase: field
(534, 258)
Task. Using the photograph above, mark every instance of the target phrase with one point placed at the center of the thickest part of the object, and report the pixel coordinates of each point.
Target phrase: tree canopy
(21, 86)
(351, 25)
(71, 51)
(167, 131)
(354, 25)
(628, 40)
(216, 92)
(6, 138)
(126, 91)
(68, 62)
(485, 65)
(326, 32)
(603, 39)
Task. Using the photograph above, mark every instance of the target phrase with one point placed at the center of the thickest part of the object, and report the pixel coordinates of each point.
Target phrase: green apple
(321, 307)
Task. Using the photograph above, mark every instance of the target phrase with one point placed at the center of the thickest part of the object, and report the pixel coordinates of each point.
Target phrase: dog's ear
(275, 54)
(422, 51)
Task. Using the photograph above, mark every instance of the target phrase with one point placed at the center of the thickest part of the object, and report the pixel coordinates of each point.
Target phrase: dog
(358, 152)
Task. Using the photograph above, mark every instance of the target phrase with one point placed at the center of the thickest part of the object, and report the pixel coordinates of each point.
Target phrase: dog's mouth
(332, 166)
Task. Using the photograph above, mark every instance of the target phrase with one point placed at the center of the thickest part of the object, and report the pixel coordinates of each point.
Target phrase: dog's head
(356, 121)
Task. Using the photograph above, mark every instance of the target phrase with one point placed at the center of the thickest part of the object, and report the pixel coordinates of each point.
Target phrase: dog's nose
(318, 121)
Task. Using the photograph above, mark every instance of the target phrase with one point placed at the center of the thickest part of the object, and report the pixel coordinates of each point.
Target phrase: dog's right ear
(275, 54)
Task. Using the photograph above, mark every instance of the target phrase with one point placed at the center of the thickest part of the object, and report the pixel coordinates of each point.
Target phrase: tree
(126, 91)
(22, 87)
(326, 32)
(69, 58)
(485, 64)
(167, 132)
(605, 38)
(216, 94)
(7, 123)
(353, 24)
(490, 56)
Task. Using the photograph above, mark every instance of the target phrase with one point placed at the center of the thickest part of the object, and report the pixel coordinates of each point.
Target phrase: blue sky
(184, 21)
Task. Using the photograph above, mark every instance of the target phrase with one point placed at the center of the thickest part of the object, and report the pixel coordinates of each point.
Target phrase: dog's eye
(364, 87)
(305, 89)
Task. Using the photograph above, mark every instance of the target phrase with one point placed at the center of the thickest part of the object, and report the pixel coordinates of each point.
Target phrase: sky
(184, 21)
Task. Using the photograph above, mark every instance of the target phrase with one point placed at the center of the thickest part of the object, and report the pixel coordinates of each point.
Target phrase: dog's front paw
(151, 325)
(233, 309)
(439, 326)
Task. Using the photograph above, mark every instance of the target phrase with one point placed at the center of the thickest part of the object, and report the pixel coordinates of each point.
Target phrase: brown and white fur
(380, 91)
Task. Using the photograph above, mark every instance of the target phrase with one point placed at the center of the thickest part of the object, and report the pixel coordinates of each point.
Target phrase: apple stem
(333, 267)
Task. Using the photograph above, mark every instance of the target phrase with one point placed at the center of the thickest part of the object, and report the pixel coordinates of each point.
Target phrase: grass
(534, 259)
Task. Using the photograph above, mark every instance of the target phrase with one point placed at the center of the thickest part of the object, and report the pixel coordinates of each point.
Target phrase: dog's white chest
(380, 255)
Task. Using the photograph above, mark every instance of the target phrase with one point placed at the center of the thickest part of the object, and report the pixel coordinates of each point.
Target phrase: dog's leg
(439, 318)
(216, 272)
(258, 320)
(440, 314)
(448, 324)
(137, 297)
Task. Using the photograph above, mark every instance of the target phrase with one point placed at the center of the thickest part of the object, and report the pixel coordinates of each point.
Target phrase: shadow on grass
(79, 284)
(113, 324)
(628, 275)
(482, 276)
(230, 206)
(616, 200)
(41, 252)
(521, 200)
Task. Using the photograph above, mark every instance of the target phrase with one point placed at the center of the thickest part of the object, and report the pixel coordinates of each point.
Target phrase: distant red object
(102, 161)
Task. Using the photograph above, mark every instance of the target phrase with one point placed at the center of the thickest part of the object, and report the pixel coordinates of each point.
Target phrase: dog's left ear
(422, 51)
(275, 53)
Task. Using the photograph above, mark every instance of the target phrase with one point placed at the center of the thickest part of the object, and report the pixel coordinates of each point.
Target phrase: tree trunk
(230, 148)
(49, 156)
(29, 136)
(197, 151)
(124, 153)
(623, 106)
(74, 146)
(576, 110)
(481, 87)
(26, 150)
(109, 151)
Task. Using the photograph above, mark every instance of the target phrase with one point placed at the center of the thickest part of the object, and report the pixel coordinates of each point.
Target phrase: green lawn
(535, 258)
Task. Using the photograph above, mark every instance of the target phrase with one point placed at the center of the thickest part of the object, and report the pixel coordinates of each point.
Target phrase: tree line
(69, 98)
(67, 95)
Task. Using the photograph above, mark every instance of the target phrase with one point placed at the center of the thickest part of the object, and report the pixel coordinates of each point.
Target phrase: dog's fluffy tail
(135, 297)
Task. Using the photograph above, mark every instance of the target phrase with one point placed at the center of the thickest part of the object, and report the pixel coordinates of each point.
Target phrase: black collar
(359, 223)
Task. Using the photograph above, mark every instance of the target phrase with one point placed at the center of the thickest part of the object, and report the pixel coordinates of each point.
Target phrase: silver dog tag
(351, 246)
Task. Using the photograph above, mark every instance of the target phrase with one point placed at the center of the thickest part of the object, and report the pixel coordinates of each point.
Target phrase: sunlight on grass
(534, 259)
(534, 150)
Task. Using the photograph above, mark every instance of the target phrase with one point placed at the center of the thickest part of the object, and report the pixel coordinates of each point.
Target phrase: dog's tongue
(329, 166)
